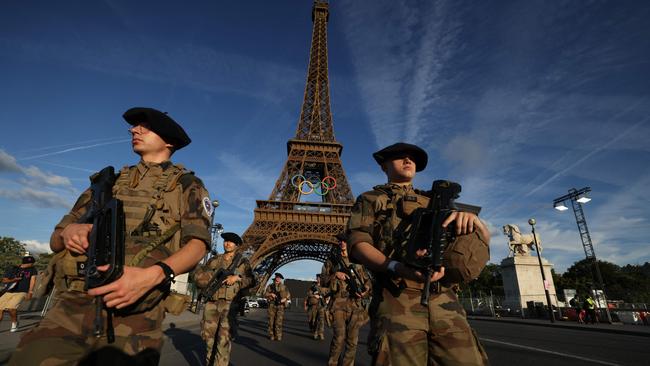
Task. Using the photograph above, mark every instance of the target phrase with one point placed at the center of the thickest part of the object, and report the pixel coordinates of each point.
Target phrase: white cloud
(35, 246)
(8, 163)
(37, 198)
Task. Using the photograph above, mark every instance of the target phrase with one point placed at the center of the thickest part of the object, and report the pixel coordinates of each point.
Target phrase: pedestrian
(19, 282)
(167, 214)
(219, 323)
(590, 304)
(403, 331)
(575, 305)
(277, 296)
(346, 307)
(314, 305)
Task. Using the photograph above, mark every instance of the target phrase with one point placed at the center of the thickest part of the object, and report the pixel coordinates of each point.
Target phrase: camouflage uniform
(316, 312)
(276, 309)
(347, 312)
(403, 332)
(173, 200)
(220, 312)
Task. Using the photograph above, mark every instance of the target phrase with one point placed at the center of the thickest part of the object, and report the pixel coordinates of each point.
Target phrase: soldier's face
(145, 141)
(343, 245)
(277, 280)
(229, 246)
(400, 170)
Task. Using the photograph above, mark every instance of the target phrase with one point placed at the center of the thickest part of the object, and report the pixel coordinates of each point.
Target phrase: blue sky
(517, 101)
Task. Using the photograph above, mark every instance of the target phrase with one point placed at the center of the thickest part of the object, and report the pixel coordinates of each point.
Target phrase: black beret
(160, 123)
(232, 237)
(341, 236)
(28, 259)
(401, 149)
(278, 274)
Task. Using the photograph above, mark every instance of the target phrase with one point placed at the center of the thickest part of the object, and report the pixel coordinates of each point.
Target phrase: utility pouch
(175, 303)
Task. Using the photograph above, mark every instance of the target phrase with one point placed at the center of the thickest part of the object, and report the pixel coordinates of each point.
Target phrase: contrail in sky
(592, 153)
(74, 149)
(113, 139)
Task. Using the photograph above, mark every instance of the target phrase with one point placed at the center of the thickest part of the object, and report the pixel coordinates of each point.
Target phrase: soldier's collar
(143, 166)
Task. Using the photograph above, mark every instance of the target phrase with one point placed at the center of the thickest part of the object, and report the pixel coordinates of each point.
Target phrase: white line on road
(551, 352)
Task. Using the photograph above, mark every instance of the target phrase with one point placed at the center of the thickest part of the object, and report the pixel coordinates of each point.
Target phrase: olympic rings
(314, 184)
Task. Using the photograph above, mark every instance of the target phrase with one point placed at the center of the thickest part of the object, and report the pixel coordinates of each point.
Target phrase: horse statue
(520, 244)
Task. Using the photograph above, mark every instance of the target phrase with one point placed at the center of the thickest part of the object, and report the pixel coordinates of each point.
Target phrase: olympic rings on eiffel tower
(314, 184)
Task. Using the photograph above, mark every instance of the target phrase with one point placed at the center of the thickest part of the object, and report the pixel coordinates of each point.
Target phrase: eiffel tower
(311, 201)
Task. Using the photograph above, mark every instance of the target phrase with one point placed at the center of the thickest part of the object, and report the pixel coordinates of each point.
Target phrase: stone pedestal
(522, 281)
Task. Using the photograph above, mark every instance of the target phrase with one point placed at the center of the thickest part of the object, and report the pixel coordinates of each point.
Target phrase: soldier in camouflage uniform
(219, 314)
(315, 308)
(346, 308)
(167, 215)
(277, 295)
(404, 332)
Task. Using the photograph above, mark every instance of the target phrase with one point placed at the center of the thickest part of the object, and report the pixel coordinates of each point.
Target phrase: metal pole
(541, 268)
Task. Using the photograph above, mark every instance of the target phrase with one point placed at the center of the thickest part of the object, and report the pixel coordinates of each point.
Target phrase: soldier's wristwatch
(168, 271)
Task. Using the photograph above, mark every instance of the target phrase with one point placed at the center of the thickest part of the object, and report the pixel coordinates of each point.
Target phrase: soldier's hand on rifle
(133, 284)
(230, 280)
(466, 223)
(75, 237)
(342, 276)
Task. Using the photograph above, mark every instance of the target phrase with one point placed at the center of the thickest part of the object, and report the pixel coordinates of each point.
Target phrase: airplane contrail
(592, 153)
(74, 149)
(106, 139)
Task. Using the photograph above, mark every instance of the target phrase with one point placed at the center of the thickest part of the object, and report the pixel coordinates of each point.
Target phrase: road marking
(551, 352)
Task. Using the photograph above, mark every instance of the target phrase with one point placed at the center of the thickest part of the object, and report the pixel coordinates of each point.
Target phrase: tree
(488, 281)
(11, 252)
(42, 261)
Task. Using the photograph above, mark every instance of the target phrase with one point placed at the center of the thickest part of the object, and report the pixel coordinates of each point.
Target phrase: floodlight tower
(577, 198)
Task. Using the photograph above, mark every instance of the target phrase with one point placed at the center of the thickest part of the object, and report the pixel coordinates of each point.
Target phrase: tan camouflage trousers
(65, 335)
(219, 318)
(403, 332)
(276, 316)
(316, 318)
(346, 322)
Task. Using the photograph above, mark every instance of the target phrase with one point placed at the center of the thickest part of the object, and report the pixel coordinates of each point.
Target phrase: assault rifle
(428, 234)
(278, 299)
(217, 279)
(106, 243)
(354, 281)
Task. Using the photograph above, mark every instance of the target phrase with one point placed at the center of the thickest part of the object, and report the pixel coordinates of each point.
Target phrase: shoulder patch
(207, 206)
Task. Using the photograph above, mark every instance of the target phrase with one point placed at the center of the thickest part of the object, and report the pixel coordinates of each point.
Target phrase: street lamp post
(577, 198)
(551, 315)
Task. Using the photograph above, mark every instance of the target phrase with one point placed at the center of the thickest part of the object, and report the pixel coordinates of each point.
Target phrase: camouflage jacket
(381, 217)
(203, 275)
(338, 289)
(158, 199)
(280, 289)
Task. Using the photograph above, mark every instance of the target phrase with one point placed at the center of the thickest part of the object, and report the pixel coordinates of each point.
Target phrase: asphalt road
(505, 343)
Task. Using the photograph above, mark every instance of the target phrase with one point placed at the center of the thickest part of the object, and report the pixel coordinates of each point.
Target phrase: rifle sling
(152, 245)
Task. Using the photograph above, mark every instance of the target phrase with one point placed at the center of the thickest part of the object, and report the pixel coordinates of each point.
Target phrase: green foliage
(11, 252)
(630, 283)
(489, 281)
(42, 261)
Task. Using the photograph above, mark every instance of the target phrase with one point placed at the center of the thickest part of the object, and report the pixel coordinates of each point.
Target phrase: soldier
(167, 215)
(219, 315)
(346, 309)
(315, 308)
(277, 295)
(404, 332)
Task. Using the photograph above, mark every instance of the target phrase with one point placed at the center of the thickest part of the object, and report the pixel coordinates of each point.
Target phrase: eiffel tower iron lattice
(312, 200)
